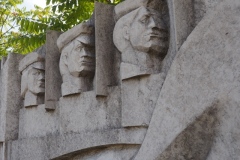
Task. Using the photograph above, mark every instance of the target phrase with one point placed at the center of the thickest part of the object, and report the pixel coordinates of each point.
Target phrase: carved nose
(86, 53)
(41, 77)
(152, 22)
(157, 25)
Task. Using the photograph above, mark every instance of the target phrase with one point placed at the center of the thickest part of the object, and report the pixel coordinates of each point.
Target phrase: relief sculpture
(140, 80)
(32, 68)
(77, 62)
(141, 35)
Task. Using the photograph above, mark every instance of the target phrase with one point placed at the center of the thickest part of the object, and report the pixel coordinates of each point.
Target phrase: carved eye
(36, 73)
(79, 47)
(144, 19)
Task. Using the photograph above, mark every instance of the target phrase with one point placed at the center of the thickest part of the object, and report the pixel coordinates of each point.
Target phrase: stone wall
(142, 80)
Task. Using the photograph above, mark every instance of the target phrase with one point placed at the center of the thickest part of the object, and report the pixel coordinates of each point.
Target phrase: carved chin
(38, 90)
(154, 48)
(158, 49)
(41, 91)
(84, 71)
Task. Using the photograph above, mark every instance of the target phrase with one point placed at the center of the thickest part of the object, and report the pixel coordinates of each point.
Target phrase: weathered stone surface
(28, 149)
(183, 20)
(30, 59)
(144, 48)
(1, 150)
(10, 98)
(109, 153)
(71, 144)
(77, 61)
(202, 7)
(10, 105)
(105, 110)
(76, 142)
(37, 122)
(53, 79)
(1, 107)
(65, 38)
(85, 112)
(105, 49)
(32, 68)
(204, 74)
(139, 97)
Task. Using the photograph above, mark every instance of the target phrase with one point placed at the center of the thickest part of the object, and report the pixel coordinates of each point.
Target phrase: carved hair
(118, 33)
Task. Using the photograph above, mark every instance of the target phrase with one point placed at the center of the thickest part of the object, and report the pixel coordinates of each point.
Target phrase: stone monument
(141, 34)
(32, 68)
(142, 80)
(77, 62)
(142, 37)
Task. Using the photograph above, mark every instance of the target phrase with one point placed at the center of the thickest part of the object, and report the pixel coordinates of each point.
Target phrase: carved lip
(41, 84)
(156, 34)
(87, 63)
(86, 60)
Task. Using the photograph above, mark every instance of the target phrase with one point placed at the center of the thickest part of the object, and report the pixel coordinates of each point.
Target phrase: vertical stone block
(184, 20)
(53, 79)
(11, 101)
(1, 118)
(105, 50)
(139, 97)
(1, 151)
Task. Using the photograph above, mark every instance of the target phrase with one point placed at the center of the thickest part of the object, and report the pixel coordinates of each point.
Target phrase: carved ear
(24, 84)
(126, 32)
(65, 59)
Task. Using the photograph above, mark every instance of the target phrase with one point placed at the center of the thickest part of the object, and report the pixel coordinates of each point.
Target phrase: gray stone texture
(142, 72)
(2, 150)
(37, 122)
(202, 7)
(85, 112)
(187, 109)
(105, 74)
(183, 19)
(71, 34)
(77, 61)
(11, 101)
(72, 145)
(53, 79)
(32, 69)
(204, 75)
(139, 96)
(117, 152)
(142, 49)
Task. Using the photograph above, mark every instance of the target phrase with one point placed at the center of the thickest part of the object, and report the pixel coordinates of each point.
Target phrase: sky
(29, 4)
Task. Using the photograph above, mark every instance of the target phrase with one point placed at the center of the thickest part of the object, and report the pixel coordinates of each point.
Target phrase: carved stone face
(36, 81)
(148, 33)
(80, 59)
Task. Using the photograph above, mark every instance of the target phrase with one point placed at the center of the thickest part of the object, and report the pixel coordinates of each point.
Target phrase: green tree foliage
(8, 10)
(68, 13)
(59, 15)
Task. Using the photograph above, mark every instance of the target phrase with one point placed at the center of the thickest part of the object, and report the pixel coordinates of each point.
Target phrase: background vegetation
(22, 31)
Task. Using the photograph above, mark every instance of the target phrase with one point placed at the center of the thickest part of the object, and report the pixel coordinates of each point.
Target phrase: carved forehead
(35, 66)
(33, 59)
(86, 40)
(129, 5)
(126, 21)
(33, 70)
(147, 11)
(84, 29)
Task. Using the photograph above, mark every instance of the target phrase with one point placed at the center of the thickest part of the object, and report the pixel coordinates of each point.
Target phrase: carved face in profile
(148, 33)
(36, 80)
(144, 30)
(80, 58)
